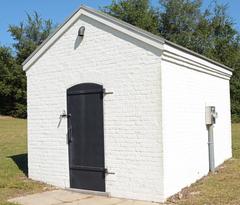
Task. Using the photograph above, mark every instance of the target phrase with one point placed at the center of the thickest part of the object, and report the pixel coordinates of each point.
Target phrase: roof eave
(145, 34)
(198, 55)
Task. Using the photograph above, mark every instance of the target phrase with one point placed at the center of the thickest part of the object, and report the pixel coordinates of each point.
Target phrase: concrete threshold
(90, 192)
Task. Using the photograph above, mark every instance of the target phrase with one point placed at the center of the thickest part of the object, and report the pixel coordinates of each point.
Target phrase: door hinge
(107, 93)
(107, 172)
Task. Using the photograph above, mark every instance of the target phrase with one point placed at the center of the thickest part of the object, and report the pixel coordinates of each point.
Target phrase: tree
(225, 48)
(28, 35)
(136, 12)
(209, 32)
(6, 94)
(179, 21)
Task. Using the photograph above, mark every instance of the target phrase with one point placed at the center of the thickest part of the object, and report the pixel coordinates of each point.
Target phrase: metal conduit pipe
(210, 118)
(211, 149)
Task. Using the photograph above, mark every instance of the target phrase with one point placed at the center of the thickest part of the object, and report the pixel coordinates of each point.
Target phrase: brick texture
(185, 93)
(154, 128)
(132, 115)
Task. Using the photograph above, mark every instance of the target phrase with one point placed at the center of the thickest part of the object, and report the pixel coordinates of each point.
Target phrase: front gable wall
(127, 67)
(143, 37)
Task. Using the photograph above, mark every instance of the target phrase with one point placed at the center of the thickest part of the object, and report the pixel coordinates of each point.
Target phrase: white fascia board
(187, 60)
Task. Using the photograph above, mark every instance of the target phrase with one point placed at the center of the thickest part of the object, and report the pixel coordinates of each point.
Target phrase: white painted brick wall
(132, 115)
(185, 92)
(155, 134)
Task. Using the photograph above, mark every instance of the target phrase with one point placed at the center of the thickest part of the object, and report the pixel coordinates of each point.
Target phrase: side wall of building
(132, 114)
(188, 85)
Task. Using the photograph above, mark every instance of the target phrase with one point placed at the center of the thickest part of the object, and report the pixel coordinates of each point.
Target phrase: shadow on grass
(21, 160)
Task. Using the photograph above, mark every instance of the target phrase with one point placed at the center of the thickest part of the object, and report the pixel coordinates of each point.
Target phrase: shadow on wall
(121, 35)
(21, 161)
(78, 41)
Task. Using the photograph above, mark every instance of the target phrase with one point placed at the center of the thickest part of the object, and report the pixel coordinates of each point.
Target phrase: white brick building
(151, 135)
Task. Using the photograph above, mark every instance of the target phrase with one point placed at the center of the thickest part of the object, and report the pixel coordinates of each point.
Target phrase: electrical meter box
(210, 115)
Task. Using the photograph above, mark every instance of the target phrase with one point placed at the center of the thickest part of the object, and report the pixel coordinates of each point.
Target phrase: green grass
(13, 161)
(223, 187)
(236, 140)
(220, 188)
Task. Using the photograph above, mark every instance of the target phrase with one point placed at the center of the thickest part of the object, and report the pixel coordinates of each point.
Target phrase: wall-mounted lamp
(81, 31)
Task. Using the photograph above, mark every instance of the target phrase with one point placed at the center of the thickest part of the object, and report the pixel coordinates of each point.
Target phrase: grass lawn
(13, 161)
(223, 187)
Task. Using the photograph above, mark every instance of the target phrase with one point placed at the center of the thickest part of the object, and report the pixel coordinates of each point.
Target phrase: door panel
(86, 144)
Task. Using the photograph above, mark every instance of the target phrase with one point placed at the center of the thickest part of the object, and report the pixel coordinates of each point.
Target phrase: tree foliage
(179, 21)
(209, 32)
(6, 90)
(136, 12)
(28, 35)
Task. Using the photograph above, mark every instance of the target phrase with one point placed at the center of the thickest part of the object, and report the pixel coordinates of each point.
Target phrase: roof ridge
(128, 26)
(158, 37)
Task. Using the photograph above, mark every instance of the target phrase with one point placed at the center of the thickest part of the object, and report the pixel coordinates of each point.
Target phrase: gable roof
(127, 28)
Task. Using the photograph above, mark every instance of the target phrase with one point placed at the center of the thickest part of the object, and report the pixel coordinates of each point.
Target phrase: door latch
(65, 115)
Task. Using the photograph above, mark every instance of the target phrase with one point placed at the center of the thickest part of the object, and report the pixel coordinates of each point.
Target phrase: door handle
(69, 135)
(63, 115)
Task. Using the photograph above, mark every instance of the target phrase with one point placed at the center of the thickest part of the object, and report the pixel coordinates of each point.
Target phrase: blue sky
(14, 11)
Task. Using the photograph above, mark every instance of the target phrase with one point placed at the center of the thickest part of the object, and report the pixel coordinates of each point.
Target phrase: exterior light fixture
(81, 31)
